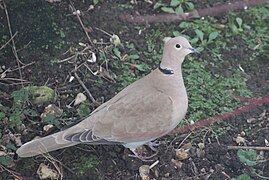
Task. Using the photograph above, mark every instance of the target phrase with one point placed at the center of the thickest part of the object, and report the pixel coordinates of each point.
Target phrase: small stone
(177, 163)
(144, 172)
(201, 145)
(167, 175)
(181, 154)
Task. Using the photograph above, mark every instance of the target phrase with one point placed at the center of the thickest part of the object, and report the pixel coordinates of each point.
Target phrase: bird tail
(44, 145)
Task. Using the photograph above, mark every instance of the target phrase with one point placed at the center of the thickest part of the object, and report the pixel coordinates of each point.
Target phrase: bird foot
(139, 155)
(152, 145)
(142, 157)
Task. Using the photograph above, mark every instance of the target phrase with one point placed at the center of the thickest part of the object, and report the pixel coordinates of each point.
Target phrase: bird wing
(141, 114)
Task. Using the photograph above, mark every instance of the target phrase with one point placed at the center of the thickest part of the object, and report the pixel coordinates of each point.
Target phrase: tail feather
(44, 145)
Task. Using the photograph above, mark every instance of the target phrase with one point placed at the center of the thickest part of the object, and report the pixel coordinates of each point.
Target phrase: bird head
(178, 47)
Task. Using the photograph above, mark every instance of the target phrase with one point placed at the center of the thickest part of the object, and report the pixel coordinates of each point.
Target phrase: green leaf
(243, 177)
(133, 57)
(168, 9)
(190, 5)
(247, 156)
(213, 36)
(194, 40)
(62, 34)
(179, 10)
(95, 2)
(158, 5)
(184, 25)
(5, 160)
(174, 3)
(51, 119)
(83, 109)
(176, 33)
(200, 34)
(239, 21)
(116, 52)
(15, 117)
(11, 146)
(2, 115)
(21, 95)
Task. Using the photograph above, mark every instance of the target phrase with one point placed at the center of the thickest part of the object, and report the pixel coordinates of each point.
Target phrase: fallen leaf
(177, 163)
(181, 154)
(240, 140)
(51, 109)
(266, 142)
(44, 172)
(80, 98)
(47, 127)
(144, 172)
(93, 59)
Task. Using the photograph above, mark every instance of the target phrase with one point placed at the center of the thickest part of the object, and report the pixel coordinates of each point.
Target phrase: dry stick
(213, 11)
(12, 40)
(83, 27)
(9, 40)
(84, 87)
(248, 147)
(253, 104)
(22, 67)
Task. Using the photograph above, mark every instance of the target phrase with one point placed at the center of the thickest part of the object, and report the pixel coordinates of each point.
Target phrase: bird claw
(152, 144)
(146, 158)
(143, 158)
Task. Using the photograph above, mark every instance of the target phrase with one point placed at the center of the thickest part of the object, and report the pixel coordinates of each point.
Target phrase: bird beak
(193, 50)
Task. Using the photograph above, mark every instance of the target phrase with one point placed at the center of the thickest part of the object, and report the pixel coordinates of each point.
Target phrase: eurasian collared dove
(145, 110)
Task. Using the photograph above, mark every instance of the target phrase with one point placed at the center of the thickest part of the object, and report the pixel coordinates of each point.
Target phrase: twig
(75, 55)
(253, 104)
(13, 42)
(13, 79)
(248, 147)
(213, 11)
(22, 67)
(82, 25)
(15, 174)
(84, 87)
(9, 40)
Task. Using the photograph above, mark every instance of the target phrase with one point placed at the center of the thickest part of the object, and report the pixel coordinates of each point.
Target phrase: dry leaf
(80, 98)
(53, 110)
(93, 59)
(266, 142)
(240, 140)
(181, 154)
(44, 172)
(144, 172)
(177, 163)
(47, 127)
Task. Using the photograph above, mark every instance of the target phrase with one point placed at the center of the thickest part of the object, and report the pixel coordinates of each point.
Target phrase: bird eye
(178, 46)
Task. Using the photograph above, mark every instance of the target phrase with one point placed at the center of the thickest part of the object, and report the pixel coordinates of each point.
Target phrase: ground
(230, 72)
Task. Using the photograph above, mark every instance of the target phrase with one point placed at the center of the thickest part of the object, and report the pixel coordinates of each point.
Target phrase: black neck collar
(166, 70)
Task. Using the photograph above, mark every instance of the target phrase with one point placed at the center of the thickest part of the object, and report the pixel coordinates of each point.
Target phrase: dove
(145, 110)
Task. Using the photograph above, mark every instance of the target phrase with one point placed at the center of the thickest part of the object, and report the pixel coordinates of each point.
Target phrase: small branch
(253, 104)
(248, 147)
(22, 67)
(213, 11)
(84, 87)
(9, 40)
(75, 55)
(13, 42)
(82, 25)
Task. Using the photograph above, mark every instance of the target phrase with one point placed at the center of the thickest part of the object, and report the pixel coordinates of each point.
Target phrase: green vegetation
(247, 156)
(175, 6)
(84, 164)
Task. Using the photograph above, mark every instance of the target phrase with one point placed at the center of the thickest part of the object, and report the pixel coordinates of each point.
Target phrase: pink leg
(141, 157)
